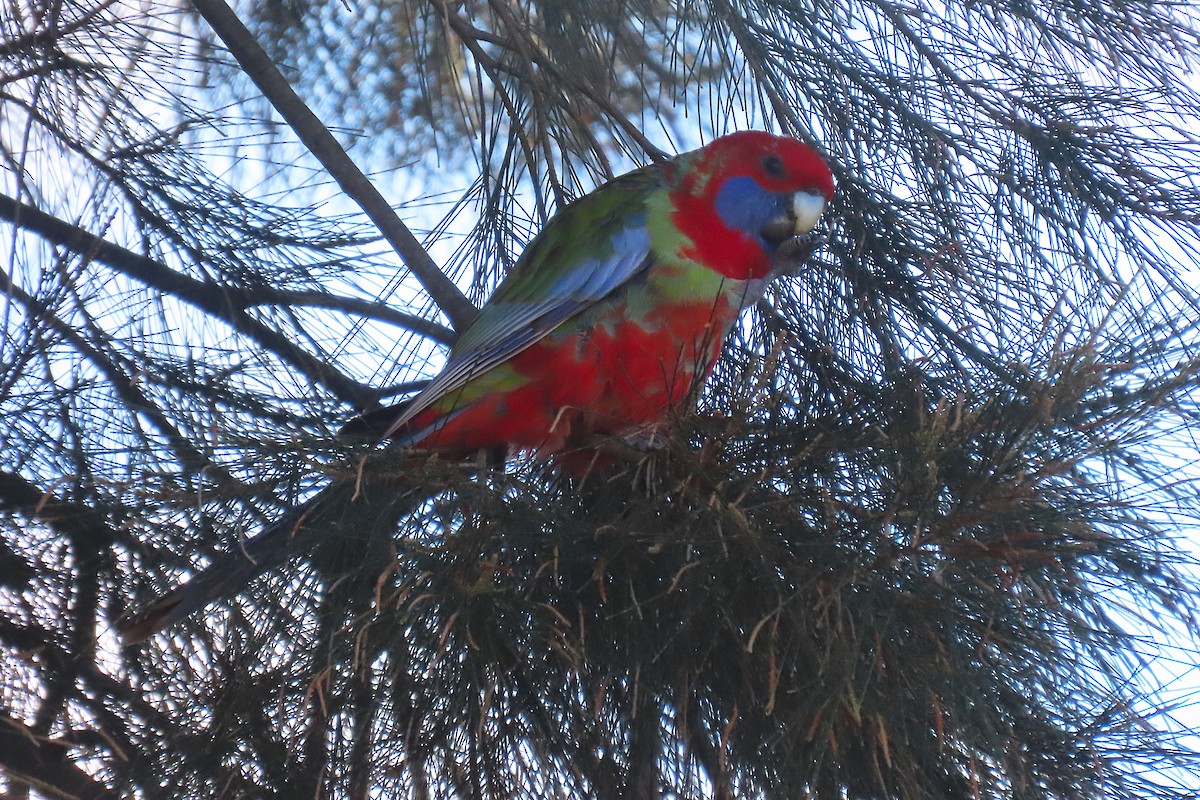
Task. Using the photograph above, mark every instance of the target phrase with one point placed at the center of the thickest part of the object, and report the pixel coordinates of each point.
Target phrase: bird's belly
(621, 375)
(614, 377)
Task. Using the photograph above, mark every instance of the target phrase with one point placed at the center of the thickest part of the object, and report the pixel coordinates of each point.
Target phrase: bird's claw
(793, 254)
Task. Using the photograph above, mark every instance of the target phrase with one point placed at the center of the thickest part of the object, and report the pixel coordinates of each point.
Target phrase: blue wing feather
(524, 312)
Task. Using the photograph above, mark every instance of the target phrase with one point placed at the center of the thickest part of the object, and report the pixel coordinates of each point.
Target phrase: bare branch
(317, 138)
(43, 764)
(225, 302)
(72, 521)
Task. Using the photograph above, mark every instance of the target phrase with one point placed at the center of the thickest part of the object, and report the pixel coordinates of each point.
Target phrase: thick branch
(218, 300)
(124, 386)
(224, 302)
(73, 521)
(322, 144)
(43, 764)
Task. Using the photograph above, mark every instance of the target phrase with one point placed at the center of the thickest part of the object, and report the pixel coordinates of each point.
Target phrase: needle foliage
(925, 535)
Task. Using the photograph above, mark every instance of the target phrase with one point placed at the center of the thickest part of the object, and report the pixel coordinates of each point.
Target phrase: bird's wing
(589, 250)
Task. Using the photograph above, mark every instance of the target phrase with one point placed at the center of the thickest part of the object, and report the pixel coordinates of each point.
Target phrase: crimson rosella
(614, 315)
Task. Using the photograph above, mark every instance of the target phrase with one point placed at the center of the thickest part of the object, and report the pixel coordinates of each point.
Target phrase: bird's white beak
(797, 219)
(806, 211)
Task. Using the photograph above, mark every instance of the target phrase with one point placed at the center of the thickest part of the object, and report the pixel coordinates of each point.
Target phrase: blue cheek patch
(746, 206)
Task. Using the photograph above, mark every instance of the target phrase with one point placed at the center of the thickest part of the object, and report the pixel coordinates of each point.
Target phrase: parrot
(606, 326)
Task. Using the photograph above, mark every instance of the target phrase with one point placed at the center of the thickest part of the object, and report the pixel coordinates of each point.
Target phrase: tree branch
(43, 764)
(268, 295)
(322, 144)
(73, 521)
(125, 387)
(224, 302)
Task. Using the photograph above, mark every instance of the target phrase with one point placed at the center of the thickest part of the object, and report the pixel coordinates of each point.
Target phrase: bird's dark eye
(773, 166)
